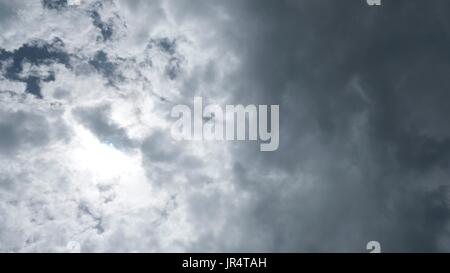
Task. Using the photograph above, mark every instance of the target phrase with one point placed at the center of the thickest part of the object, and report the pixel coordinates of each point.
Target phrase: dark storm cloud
(362, 93)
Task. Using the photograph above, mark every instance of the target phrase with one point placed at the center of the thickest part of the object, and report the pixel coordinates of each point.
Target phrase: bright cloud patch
(85, 150)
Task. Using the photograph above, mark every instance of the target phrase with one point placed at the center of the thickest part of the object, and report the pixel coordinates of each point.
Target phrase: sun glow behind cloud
(102, 159)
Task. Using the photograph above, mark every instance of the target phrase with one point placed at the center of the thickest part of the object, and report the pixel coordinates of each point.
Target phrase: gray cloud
(98, 121)
(352, 82)
(21, 130)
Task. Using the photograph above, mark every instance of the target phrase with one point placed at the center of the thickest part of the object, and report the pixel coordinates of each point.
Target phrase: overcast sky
(86, 153)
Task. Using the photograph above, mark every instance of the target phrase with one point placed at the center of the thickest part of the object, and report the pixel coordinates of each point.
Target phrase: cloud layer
(86, 153)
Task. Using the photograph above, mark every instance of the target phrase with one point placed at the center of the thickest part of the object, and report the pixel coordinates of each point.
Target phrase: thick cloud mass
(86, 153)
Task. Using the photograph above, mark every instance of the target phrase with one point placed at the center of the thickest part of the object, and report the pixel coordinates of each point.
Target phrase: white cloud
(59, 182)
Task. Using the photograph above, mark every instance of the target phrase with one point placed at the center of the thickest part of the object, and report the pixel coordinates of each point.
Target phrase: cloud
(357, 145)
(97, 121)
(86, 154)
(84, 133)
(35, 53)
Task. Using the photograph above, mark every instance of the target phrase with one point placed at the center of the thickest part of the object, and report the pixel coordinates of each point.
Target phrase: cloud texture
(86, 153)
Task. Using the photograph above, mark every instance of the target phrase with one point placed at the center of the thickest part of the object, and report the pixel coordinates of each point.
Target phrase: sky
(86, 153)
